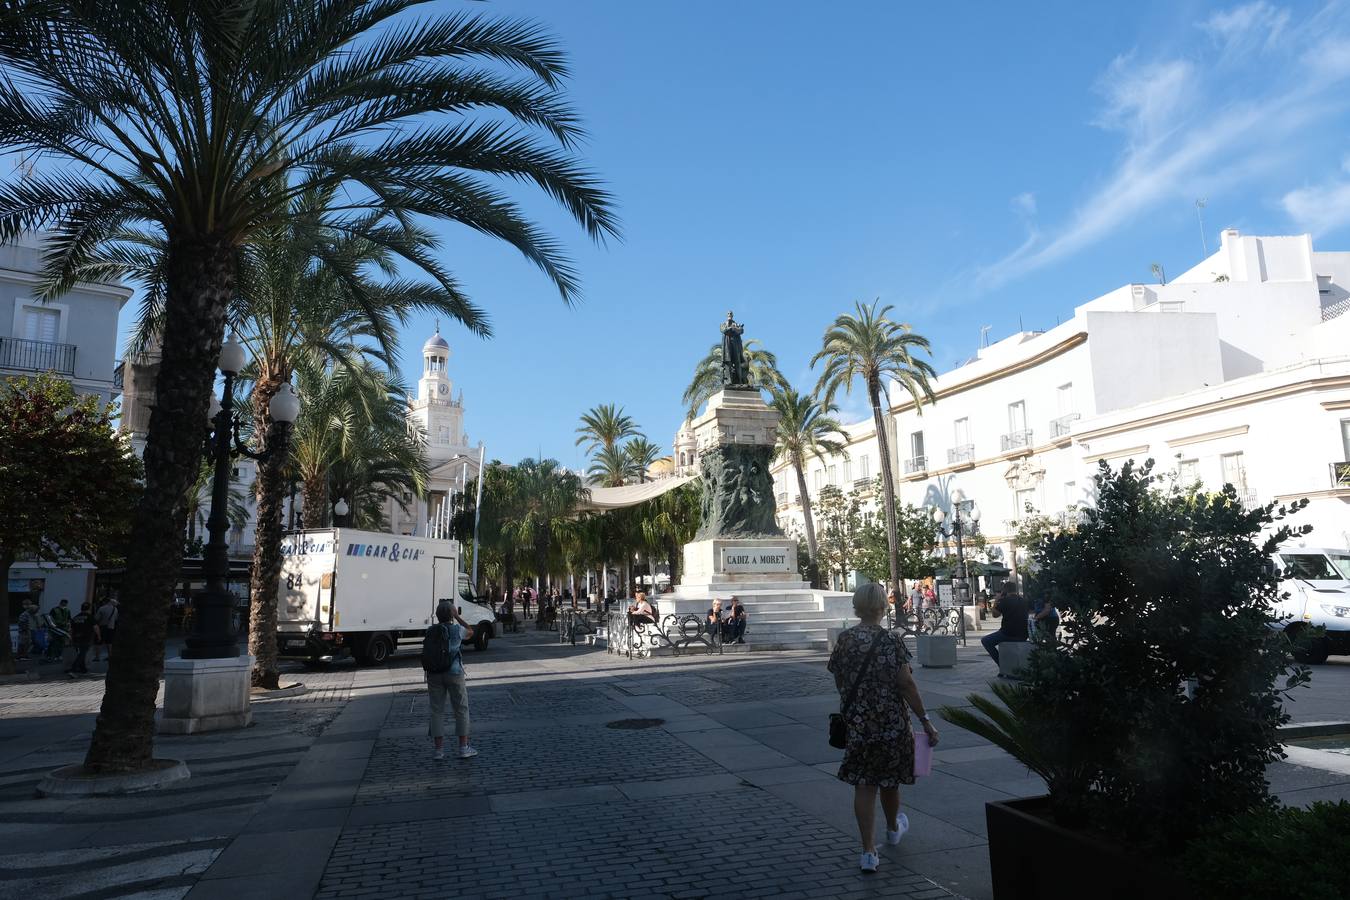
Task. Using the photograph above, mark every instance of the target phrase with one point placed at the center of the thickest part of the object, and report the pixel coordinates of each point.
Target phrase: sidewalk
(599, 776)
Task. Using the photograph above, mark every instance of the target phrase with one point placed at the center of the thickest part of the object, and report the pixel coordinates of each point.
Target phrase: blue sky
(971, 164)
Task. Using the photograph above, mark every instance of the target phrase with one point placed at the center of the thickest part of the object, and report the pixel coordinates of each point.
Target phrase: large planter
(936, 651)
(1032, 858)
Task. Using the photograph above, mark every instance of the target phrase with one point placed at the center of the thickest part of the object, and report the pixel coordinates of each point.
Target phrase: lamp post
(959, 527)
(213, 627)
(340, 510)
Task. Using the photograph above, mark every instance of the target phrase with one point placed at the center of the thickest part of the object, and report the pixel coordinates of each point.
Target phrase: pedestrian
(58, 630)
(641, 611)
(1045, 618)
(81, 633)
(105, 628)
(27, 624)
(443, 663)
(1011, 607)
(877, 693)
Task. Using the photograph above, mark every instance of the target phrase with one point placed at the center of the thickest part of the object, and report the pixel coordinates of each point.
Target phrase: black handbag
(838, 724)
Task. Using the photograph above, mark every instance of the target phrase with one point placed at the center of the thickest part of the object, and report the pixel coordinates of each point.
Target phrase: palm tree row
(201, 124)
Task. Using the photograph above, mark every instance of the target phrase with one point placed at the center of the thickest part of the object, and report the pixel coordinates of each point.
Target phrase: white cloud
(1323, 207)
(1143, 99)
(1247, 28)
(1025, 204)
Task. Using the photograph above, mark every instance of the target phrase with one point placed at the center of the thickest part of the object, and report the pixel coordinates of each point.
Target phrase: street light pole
(957, 529)
(340, 510)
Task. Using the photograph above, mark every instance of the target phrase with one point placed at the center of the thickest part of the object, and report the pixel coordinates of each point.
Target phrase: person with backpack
(444, 667)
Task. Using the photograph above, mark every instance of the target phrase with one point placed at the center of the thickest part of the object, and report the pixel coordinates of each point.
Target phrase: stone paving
(722, 786)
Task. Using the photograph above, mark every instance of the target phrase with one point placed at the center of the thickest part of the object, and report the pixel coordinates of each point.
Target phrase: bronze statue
(735, 373)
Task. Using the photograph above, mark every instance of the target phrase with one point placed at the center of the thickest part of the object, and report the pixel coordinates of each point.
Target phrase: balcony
(37, 356)
(1060, 427)
(915, 465)
(961, 454)
(1016, 440)
(1340, 474)
(863, 485)
(781, 498)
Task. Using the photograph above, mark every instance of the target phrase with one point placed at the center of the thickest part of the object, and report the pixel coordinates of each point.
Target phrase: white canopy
(603, 498)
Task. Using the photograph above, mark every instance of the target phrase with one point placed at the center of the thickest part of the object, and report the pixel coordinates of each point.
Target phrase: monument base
(206, 695)
(722, 566)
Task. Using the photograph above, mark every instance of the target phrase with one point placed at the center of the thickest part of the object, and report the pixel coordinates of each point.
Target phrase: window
(834, 476)
(916, 445)
(962, 432)
(1188, 472)
(820, 479)
(1026, 503)
(1064, 397)
(443, 435)
(848, 471)
(1345, 439)
(1017, 417)
(41, 324)
(1070, 494)
(865, 466)
(1234, 472)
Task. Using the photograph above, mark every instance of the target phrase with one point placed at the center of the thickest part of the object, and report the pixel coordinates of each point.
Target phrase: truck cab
(1317, 588)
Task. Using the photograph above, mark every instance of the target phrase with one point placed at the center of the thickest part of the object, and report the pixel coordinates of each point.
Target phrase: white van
(1317, 581)
(346, 592)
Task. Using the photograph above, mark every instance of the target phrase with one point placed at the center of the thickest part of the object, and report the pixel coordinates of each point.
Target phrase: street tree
(871, 348)
(642, 454)
(201, 122)
(806, 427)
(707, 380)
(604, 426)
(841, 530)
(67, 482)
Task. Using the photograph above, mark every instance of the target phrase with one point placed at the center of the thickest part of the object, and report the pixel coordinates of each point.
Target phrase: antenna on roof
(1019, 323)
(1199, 205)
(984, 335)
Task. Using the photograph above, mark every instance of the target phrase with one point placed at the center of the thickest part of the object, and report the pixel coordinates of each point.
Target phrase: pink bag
(923, 754)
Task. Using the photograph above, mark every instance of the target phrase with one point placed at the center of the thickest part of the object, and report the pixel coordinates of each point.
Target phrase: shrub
(1274, 855)
(1165, 690)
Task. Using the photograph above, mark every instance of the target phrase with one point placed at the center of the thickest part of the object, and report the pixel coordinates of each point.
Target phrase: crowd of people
(46, 636)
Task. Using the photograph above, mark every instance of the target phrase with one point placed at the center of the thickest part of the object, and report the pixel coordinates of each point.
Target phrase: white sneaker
(893, 837)
(868, 862)
(440, 754)
(467, 752)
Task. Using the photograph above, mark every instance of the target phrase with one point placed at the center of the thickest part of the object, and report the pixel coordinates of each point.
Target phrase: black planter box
(1032, 858)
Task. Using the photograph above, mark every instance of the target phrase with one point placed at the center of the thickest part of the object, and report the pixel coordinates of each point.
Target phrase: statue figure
(735, 373)
(737, 492)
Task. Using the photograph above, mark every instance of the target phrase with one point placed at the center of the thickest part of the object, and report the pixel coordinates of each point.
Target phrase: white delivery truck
(346, 592)
(1317, 582)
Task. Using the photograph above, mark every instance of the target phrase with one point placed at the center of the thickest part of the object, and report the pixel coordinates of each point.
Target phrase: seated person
(641, 610)
(715, 621)
(733, 630)
(1012, 608)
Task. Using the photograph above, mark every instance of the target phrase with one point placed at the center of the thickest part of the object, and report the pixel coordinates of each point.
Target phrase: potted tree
(1155, 715)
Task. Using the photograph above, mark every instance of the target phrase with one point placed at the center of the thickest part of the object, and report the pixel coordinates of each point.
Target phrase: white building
(1236, 372)
(74, 336)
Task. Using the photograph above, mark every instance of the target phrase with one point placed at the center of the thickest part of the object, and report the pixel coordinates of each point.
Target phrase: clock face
(445, 389)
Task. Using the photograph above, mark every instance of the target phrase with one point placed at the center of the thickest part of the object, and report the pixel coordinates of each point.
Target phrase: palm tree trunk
(262, 631)
(887, 479)
(314, 502)
(806, 507)
(6, 650)
(200, 284)
(673, 557)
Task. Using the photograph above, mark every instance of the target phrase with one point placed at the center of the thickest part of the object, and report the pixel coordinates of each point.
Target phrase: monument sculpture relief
(737, 492)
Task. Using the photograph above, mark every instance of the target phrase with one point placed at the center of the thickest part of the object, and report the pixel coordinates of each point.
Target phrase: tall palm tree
(545, 496)
(642, 454)
(872, 348)
(203, 121)
(806, 428)
(611, 467)
(603, 426)
(707, 379)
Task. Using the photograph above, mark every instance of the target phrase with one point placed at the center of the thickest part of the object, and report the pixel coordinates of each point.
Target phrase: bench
(1012, 656)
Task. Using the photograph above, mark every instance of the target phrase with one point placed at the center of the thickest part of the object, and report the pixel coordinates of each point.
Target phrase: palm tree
(806, 428)
(202, 122)
(602, 427)
(544, 497)
(870, 347)
(670, 521)
(642, 454)
(707, 379)
(611, 467)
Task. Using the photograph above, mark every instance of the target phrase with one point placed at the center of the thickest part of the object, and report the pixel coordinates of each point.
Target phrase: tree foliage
(67, 482)
(707, 378)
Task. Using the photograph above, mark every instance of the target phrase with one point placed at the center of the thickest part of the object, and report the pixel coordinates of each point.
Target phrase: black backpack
(437, 656)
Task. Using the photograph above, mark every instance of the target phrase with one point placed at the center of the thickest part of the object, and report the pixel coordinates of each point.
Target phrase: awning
(603, 498)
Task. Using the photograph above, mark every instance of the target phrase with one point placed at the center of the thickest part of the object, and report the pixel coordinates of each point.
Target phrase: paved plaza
(599, 776)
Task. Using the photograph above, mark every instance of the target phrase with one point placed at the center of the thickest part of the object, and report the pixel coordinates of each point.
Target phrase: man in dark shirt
(1012, 608)
(734, 631)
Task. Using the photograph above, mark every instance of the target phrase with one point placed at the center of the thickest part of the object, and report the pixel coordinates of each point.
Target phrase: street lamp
(340, 510)
(213, 628)
(959, 528)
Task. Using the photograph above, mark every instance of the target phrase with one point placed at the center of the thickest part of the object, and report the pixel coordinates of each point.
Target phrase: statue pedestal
(735, 416)
(723, 567)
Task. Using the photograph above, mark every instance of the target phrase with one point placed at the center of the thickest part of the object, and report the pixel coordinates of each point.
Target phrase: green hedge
(1275, 855)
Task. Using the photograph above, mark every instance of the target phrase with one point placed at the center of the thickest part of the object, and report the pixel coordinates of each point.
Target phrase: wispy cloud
(1322, 207)
(1189, 128)
(1024, 204)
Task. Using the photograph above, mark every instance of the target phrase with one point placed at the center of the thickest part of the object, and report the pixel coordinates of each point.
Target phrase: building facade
(1237, 372)
(75, 337)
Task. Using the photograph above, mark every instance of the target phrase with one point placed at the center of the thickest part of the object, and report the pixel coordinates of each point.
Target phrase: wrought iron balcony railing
(1340, 474)
(1061, 426)
(37, 356)
(963, 453)
(917, 464)
(1016, 440)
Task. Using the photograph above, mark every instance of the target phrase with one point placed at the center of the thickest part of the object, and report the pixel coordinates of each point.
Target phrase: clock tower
(436, 409)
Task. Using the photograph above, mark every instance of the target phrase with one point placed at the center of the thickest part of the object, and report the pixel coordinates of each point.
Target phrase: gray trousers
(443, 684)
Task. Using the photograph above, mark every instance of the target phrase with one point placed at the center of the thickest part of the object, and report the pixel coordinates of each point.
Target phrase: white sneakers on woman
(893, 837)
(869, 862)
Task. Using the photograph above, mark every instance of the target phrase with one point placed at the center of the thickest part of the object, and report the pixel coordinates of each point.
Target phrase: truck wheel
(378, 650)
(480, 637)
(1317, 652)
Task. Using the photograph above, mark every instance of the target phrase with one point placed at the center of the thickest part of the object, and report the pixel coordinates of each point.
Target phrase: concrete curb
(71, 781)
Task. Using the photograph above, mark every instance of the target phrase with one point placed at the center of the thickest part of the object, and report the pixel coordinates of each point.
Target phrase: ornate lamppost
(959, 528)
(213, 633)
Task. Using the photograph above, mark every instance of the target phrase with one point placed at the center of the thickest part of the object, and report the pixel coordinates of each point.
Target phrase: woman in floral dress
(880, 752)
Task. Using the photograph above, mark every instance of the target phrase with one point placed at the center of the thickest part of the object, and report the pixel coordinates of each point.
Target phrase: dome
(435, 342)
